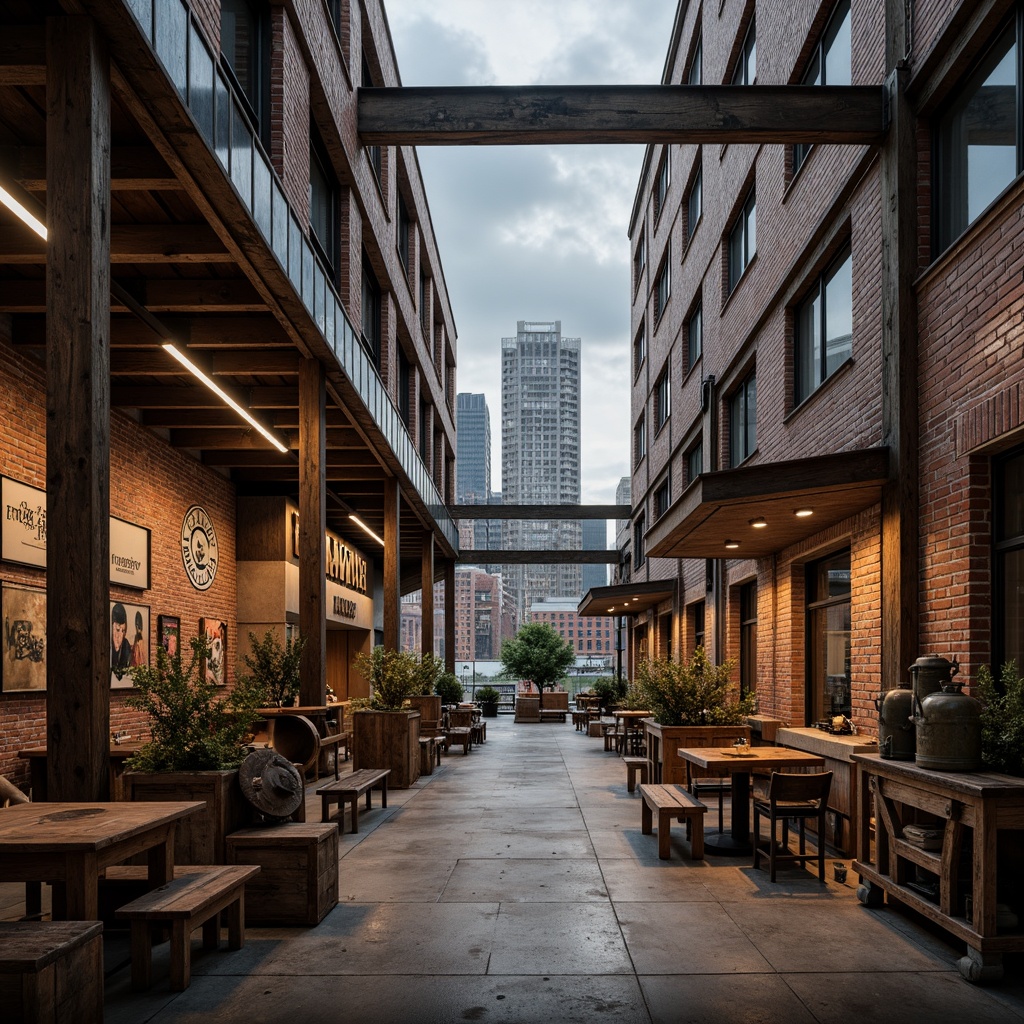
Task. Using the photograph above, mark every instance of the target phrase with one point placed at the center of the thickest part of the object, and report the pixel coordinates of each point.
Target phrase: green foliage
(607, 689)
(448, 688)
(429, 669)
(275, 666)
(488, 695)
(194, 728)
(393, 677)
(1002, 719)
(635, 698)
(538, 654)
(691, 693)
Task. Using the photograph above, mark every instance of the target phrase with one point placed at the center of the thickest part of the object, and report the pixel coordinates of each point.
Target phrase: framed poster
(24, 523)
(168, 633)
(214, 668)
(129, 641)
(129, 554)
(24, 640)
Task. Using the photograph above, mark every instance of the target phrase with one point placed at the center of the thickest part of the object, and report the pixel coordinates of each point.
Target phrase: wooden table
(69, 844)
(736, 842)
(119, 753)
(970, 809)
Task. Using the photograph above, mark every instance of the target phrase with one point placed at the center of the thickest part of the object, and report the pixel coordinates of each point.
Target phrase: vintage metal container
(948, 725)
(930, 673)
(896, 732)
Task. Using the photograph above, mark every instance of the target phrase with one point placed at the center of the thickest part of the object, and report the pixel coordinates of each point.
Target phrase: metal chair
(792, 796)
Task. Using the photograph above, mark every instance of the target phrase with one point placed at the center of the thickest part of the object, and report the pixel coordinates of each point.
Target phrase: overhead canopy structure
(626, 598)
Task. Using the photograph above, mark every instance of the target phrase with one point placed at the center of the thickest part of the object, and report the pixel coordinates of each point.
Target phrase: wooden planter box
(198, 838)
(388, 739)
(428, 705)
(664, 765)
(527, 709)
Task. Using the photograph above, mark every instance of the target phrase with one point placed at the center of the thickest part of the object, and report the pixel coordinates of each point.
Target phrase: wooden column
(427, 601)
(78, 638)
(899, 542)
(449, 616)
(392, 565)
(312, 532)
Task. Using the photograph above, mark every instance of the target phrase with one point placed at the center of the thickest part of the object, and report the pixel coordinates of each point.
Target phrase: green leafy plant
(429, 669)
(393, 677)
(275, 666)
(1002, 719)
(538, 654)
(194, 725)
(695, 692)
(488, 695)
(448, 688)
(607, 691)
(635, 698)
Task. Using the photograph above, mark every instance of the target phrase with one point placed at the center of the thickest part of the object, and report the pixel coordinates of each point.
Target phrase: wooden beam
(391, 582)
(132, 168)
(245, 437)
(129, 243)
(586, 114)
(509, 556)
(545, 512)
(195, 396)
(77, 294)
(152, 361)
(158, 296)
(343, 441)
(23, 56)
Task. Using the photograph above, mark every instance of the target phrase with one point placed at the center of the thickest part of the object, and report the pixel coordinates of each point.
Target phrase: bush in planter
(393, 677)
(488, 695)
(275, 667)
(428, 670)
(691, 693)
(448, 688)
(609, 692)
(1002, 719)
(193, 727)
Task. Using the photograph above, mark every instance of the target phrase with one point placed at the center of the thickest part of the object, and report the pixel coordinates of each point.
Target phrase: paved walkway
(514, 885)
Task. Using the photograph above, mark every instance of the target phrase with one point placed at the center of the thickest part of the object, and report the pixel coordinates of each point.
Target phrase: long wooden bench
(673, 803)
(635, 765)
(186, 903)
(350, 789)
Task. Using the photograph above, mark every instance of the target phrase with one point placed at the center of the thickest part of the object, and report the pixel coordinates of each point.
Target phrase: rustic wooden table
(119, 753)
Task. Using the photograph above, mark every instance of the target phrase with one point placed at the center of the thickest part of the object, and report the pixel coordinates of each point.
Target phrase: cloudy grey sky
(538, 232)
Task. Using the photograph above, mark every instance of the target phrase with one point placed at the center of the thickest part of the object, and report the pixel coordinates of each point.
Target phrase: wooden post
(78, 636)
(392, 565)
(312, 532)
(449, 616)
(427, 601)
(899, 558)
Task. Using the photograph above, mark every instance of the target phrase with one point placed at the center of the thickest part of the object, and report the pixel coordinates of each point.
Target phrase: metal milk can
(896, 733)
(930, 673)
(948, 730)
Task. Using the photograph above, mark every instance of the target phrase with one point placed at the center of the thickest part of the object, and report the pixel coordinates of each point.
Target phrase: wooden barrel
(295, 738)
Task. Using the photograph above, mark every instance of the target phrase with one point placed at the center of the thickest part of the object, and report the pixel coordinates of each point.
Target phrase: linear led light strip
(173, 350)
(355, 519)
(22, 212)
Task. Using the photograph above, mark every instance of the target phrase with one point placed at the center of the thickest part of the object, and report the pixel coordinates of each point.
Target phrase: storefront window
(1009, 598)
(748, 639)
(828, 631)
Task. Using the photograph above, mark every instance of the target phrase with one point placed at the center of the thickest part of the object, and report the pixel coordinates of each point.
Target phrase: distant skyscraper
(595, 538)
(540, 452)
(473, 450)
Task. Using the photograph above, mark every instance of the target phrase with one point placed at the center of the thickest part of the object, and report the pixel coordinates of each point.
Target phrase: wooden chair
(791, 795)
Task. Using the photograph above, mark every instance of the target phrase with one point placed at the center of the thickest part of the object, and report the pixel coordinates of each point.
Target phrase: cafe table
(69, 844)
(119, 753)
(736, 842)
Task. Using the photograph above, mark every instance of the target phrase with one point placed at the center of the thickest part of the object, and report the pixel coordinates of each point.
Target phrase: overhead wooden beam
(509, 556)
(245, 437)
(198, 397)
(284, 419)
(129, 243)
(548, 512)
(177, 296)
(586, 114)
(23, 55)
(250, 459)
(132, 168)
(152, 361)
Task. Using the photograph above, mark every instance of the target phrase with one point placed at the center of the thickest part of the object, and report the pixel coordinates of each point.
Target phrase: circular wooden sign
(199, 548)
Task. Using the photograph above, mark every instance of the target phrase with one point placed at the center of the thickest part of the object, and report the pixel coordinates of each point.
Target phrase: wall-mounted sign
(24, 536)
(347, 608)
(345, 565)
(199, 548)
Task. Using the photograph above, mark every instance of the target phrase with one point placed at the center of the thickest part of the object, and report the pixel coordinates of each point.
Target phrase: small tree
(536, 653)
(392, 675)
(448, 688)
(275, 666)
(429, 669)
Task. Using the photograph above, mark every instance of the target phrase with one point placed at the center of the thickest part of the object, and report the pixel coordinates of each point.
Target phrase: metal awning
(626, 598)
(715, 516)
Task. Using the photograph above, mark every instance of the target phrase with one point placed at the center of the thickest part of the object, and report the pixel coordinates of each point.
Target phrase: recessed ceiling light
(732, 544)
(803, 513)
(759, 523)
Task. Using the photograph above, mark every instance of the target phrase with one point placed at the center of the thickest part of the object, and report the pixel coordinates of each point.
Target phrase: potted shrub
(385, 728)
(275, 667)
(489, 698)
(428, 670)
(448, 688)
(200, 736)
(691, 705)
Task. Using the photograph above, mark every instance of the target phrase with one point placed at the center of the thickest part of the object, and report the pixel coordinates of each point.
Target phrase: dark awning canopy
(626, 598)
(715, 516)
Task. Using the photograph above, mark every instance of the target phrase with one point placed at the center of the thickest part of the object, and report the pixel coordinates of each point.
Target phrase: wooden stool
(635, 765)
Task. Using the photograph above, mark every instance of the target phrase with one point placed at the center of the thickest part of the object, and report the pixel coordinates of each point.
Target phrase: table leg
(736, 842)
(161, 860)
(82, 887)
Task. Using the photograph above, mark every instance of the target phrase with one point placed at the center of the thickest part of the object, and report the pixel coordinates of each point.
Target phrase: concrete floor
(514, 885)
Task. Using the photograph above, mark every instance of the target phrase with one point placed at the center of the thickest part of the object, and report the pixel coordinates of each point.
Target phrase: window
(694, 462)
(245, 51)
(404, 388)
(696, 72)
(662, 399)
(640, 440)
(697, 624)
(694, 199)
(639, 261)
(371, 302)
(424, 306)
(1009, 558)
(828, 631)
(373, 153)
(662, 289)
(639, 349)
(743, 421)
(662, 498)
(743, 240)
(746, 65)
(661, 185)
(978, 140)
(748, 639)
(823, 327)
(830, 64)
(639, 529)
(695, 336)
(323, 202)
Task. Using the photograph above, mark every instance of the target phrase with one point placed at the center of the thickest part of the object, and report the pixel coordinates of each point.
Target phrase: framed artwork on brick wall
(214, 668)
(24, 639)
(129, 641)
(168, 633)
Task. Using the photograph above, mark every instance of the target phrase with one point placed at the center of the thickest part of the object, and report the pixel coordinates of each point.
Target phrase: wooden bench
(430, 751)
(460, 736)
(635, 765)
(51, 971)
(350, 789)
(337, 740)
(673, 803)
(552, 714)
(186, 903)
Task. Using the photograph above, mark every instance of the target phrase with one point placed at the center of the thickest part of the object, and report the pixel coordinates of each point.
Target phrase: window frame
(662, 183)
(403, 232)
(747, 58)
(696, 189)
(695, 453)
(662, 399)
(1004, 546)
(696, 62)
(371, 313)
(663, 287)
(255, 104)
(329, 248)
(748, 638)
(640, 348)
(639, 261)
(743, 237)
(639, 550)
(814, 697)
(662, 496)
(818, 293)
(640, 439)
(696, 317)
(743, 401)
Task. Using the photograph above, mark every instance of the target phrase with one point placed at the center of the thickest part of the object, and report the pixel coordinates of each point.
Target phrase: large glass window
(371, 302)
(695, 462)
(662, 289)
(978, 139)
(662, 498)
(403, 230)
(695, 336)
(639, 348)
(245, 49)
(743, 421)
(373, 153)
(697, 620)
(640, 439)
(639, 529)
(661, 184)
(829, 64)
(639, 261)
(746, 66)
(743, 240)
(828, 631)
(662, 400)
(696, 74)
(1009, 560)
(748, 639)
(323, 203)
(695, 199)
(823, 327)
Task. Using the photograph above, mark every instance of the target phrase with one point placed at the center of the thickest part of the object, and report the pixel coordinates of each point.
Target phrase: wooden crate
(51, 971)
(298, 883)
